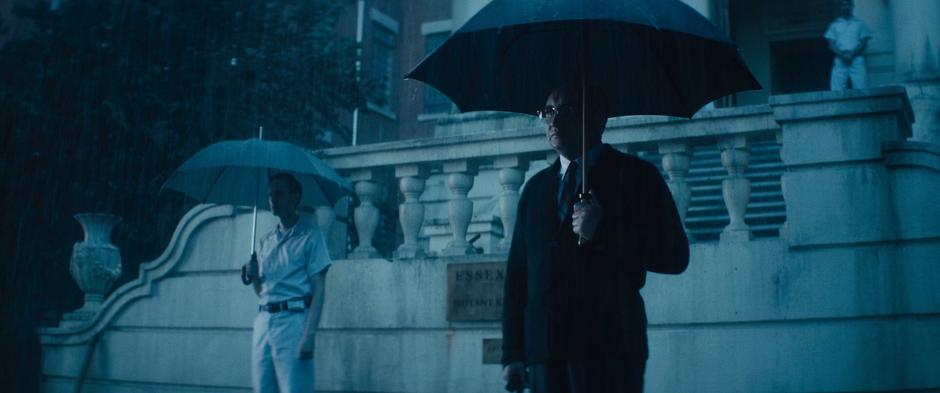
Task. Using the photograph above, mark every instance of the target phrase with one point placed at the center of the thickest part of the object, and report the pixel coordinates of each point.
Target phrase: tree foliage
(101, 100)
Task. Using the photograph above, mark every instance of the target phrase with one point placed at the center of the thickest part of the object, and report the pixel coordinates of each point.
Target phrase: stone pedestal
(837, 186)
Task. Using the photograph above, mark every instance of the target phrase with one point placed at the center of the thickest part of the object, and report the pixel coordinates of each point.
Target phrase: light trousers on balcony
(275, 344)
(842, 73)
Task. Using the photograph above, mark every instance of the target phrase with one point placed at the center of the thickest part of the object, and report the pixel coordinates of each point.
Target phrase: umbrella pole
(584, 166)
(584, 158)
(254, 213)
(254, 227)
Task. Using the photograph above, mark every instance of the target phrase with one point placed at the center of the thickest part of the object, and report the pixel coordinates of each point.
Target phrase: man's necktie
(568, 189)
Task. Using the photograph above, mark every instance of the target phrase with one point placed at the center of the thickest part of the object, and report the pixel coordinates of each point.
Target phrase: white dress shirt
(289, 258)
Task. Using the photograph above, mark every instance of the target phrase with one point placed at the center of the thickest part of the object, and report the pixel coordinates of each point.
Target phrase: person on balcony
(848, 37)
(288, 274)
(572, 313)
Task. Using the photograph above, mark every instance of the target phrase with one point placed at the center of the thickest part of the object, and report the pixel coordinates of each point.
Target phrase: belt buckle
(295, 305)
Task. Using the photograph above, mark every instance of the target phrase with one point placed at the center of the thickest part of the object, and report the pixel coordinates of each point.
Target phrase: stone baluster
(511, 176)
(325, 216)
(411, 212)
(460, 181)
(676, 157)
(366, 216)
(736, 189)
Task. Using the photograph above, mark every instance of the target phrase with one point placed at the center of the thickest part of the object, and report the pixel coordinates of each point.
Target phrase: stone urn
(96, 263)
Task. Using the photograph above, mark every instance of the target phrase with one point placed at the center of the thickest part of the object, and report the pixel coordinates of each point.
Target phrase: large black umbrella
(652, 57)
(655, 57)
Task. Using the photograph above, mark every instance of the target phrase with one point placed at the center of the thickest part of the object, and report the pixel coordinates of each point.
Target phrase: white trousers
(275, 345)
(842, 73)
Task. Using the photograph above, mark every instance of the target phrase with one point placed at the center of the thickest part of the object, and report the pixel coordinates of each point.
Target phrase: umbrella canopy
(236, 173)
(657, 57)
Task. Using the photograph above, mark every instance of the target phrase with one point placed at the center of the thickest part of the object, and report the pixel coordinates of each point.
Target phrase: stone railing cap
(860, 102)
(828, 95)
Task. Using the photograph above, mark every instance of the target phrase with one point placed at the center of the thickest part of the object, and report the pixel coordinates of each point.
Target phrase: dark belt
(287, 305)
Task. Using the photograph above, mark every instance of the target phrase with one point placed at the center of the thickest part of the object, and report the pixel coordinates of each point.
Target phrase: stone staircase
(707, 215)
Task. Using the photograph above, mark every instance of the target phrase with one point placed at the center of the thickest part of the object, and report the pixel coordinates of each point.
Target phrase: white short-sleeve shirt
(848, 33)
(289, 259)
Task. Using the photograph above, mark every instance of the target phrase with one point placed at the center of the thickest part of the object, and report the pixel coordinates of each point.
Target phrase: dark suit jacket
(567, 302)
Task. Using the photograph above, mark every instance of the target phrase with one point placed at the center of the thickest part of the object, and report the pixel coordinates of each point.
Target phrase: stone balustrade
(482, 174)
(459, 188)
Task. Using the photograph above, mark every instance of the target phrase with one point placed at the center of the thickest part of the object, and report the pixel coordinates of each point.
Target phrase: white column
(917, 62)
(916, 39)
(366, 216)
(411, 180)
(736, 189)
(511, 176)
(460, 209)
(676, 157)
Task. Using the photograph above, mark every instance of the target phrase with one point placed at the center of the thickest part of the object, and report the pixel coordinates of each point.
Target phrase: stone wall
(753, 317)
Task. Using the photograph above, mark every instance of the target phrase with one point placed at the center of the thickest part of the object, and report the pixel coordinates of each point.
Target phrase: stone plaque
(475, 291)
(492, 350)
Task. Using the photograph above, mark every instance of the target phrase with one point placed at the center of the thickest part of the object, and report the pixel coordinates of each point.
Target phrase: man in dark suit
(573, 313)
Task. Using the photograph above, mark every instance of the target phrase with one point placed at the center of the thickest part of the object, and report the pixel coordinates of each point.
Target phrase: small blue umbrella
(236, 173)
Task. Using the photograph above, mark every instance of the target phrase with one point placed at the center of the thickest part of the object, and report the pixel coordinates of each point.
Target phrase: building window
(383, 61)
(435, 102)
(382, 65)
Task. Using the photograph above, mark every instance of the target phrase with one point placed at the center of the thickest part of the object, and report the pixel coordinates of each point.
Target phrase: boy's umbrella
(236, 173)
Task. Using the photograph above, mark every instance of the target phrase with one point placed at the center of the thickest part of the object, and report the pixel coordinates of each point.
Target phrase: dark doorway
(799, 65)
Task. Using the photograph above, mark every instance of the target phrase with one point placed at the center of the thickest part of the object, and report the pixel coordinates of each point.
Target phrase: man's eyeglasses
(550, 112)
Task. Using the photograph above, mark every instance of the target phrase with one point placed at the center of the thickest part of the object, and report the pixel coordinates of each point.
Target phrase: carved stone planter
(96, 263)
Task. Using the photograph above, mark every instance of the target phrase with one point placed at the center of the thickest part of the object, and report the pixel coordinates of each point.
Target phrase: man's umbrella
(654, 57)
(236, 173)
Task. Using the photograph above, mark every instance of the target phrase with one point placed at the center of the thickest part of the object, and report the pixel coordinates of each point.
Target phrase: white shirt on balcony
(848, 33)
(288, 259)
